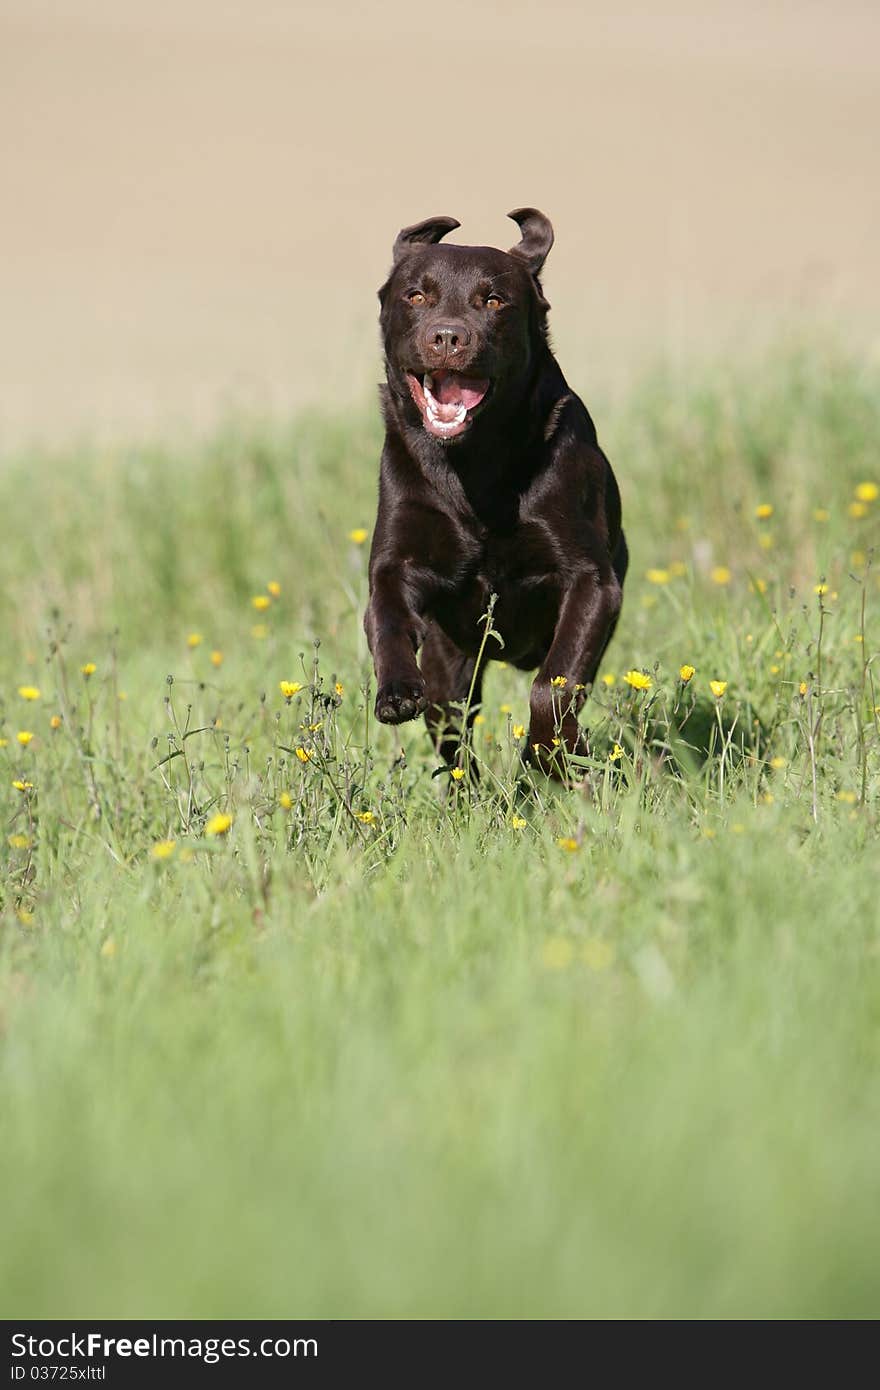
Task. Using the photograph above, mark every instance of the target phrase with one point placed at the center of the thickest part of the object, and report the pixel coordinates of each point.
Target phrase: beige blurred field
(199, 198)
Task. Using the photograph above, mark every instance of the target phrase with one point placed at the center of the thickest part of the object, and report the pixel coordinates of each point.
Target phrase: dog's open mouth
(446, 400)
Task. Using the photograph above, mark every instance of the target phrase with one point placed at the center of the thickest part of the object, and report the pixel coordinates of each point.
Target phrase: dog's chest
(518, 568)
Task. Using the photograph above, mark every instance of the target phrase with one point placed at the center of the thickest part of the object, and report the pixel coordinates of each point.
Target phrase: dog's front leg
(395, 626)
(587, 614)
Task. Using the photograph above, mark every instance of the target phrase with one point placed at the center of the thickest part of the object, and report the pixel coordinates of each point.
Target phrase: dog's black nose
(445, 339)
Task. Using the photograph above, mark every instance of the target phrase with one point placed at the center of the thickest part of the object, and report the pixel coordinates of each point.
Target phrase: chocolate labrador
(492, 482)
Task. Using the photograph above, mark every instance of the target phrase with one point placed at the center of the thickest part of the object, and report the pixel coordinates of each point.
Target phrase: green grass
(404, 1049)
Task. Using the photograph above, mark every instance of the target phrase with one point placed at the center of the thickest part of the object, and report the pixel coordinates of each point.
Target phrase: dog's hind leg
(448, 674)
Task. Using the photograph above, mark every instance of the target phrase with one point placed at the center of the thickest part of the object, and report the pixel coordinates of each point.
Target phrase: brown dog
(492, 482)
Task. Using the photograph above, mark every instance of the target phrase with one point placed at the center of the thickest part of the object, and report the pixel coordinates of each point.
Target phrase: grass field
(292, 1027)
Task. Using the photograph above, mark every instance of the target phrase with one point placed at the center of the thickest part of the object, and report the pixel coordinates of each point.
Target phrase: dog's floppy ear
(537, 238)
(423, 233)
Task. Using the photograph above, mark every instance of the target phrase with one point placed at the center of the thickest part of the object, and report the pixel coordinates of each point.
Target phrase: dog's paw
(399, 701)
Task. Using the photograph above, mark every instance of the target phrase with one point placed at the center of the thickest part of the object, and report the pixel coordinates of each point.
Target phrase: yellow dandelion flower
(758, 586)
(609, 679)
(456, 774)
(867, 492)
(764, 510)
(774, 670)
(313, 728)
(579, 685)
(218, 824)
(857, 510)
(858, 559)
(778, 763)
(518, 822)
(677, 569)
(195, 639)
(479, 718)
(687, 672)
(568, 844)
(56, 721)
(274, 588)
(18, 841)
(658, 576)
(29, 692)
(25, 916)
(556, 742)
(261, 602)
(163, 849)
(560, 682)
(340, 689)
(216, 658)
(218, 723)
(597, 955)
(358, 535)
(88, 669)
(24, 737)
(858, 638)
(616, 753)
(638, 680)
(848, 797)
(820, 589)
(821, 514)
(365, 817)
(108, 950)
(506, 709)
(767, 799)
(802, 688)
(518, 730)
(305, 755)
(285, 801)
(718, 688)
(557, 953)
(260, 631)
(4, 742)
(720, 575)
(289, 688)
(23, 786)
(122, 695)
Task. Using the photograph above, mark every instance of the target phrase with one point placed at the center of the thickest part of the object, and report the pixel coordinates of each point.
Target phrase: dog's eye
(416, 297)
(493, 302)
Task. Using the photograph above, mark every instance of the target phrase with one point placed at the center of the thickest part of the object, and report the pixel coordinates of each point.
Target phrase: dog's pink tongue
(451, 388)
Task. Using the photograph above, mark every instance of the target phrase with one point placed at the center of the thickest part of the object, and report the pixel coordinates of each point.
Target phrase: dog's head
(461, 325)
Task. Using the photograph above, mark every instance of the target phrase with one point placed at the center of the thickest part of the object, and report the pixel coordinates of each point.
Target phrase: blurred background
(199, 196)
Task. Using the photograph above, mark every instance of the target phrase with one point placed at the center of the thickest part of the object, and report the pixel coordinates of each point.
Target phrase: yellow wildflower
(456, 774)
(506, 709)
(479, 718)
(802, 688)
(568, 844)
(857, 510)
(718, 688)
(24, 737)
(340, 689)
(518, 730)
(163, 849)
(285, 801)
(820, 589)
(261, 602)
(29, 692)
(518, 822)
(720, 575)
(638, 680)
(867, 492)
(216, 658)
(289, 688)
(23, 786)
(195, 639)
(218, 824)
(821, 514)
(18, 841)
(560, 682)
(90, 668)
(658, 576)
(597, 955)
(609, 679)
(848, 797)
(759, 586)
(365, 817)
(358, 535)
(774, 670)
(858, 559)
(305, 755)
(616, 752)
(557, 953)
(764, 510)
(687, 672)
(274, 588)
(108, 950)
(56, 721)
(778, 762)
(4, 742)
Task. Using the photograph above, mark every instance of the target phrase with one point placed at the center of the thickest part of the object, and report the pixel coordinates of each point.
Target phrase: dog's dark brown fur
(518, 500)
